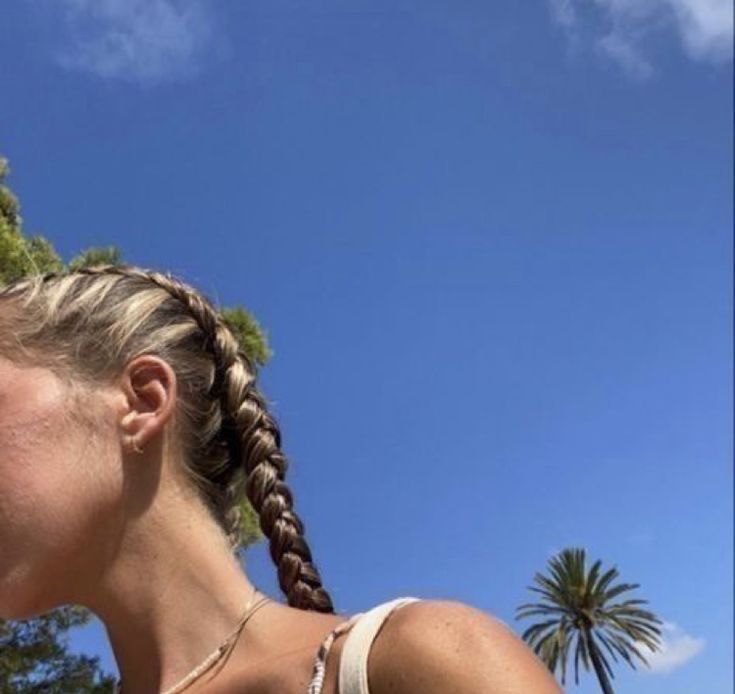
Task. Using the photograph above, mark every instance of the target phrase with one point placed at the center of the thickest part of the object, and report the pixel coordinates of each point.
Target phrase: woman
(130, 428)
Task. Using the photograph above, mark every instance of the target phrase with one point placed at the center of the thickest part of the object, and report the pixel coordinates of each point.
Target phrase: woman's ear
(149, 386)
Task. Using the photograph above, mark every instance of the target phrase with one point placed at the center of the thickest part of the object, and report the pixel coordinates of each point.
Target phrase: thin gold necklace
(212, 658)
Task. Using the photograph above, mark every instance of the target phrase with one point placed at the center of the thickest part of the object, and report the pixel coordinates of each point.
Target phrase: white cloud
(677, 648)
(618, 29)
(706, 27)
(136, 40)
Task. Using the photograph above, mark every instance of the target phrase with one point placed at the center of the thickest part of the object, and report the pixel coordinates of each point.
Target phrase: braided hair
(86, 324)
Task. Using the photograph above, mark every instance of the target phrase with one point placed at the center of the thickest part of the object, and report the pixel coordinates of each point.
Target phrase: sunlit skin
(85, 519)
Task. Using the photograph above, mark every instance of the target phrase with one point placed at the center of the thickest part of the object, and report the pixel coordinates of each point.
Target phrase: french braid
(250, 435)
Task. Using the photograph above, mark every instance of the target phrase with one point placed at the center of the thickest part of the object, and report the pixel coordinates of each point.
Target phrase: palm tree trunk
(597, 663)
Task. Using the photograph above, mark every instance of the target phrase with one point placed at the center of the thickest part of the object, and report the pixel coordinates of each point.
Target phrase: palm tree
(579, 603)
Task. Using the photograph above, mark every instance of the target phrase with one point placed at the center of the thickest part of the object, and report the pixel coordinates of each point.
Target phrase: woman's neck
(171, 598)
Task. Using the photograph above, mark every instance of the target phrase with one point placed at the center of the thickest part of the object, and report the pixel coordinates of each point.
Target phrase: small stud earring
(126, 419)
(136, 448)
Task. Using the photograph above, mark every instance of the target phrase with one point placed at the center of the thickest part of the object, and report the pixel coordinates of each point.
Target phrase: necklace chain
(250, 610)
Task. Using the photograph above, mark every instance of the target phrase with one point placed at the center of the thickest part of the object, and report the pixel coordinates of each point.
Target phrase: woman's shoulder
(413, 645)
(434, 645)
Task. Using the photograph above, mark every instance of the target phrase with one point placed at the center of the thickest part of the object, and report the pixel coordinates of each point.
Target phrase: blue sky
(491, 245)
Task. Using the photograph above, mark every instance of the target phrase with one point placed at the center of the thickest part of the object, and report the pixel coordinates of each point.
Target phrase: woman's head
(66, 341)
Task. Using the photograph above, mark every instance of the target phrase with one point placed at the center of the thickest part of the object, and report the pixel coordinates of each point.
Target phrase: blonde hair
(87, 324)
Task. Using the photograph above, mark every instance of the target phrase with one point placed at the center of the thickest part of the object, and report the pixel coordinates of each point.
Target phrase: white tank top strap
(364, 627)
(353, 664)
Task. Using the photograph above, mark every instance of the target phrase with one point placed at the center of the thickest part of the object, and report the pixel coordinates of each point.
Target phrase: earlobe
(130, 440)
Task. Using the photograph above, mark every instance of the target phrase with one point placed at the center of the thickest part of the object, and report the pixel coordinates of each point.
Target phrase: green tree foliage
(34, 656)
(577, 603)
(97, 255)
(249, 334)
(20, 255)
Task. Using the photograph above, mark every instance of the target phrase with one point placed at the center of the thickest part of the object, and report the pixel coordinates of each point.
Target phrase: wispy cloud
(564, 12)
(678, 648)
(144, 41)
(618, 29)
(625, 52)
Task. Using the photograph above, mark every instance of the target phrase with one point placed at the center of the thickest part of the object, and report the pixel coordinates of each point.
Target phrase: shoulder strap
(354, 656)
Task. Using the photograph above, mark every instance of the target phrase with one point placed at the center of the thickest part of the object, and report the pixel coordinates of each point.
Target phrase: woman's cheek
(40, 492)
